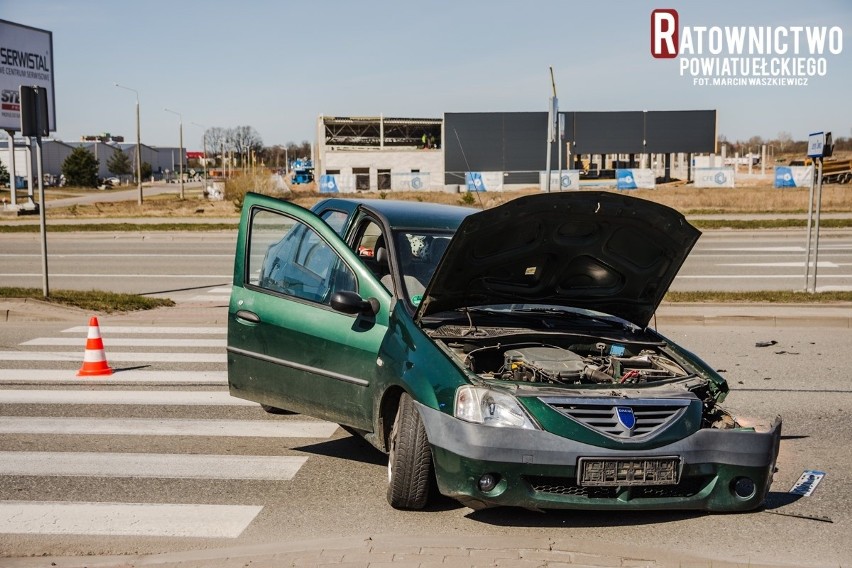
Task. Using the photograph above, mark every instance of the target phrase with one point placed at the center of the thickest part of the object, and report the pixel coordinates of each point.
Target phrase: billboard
(26, 58)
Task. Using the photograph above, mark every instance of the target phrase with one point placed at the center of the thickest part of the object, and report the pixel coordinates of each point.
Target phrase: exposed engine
(600, 363)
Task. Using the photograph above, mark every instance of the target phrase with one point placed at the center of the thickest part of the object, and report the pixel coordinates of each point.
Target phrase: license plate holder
(621, 472)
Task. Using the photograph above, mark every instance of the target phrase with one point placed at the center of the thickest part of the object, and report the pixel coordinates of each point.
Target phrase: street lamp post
(138, 143)
(203, 143)
(180, 158)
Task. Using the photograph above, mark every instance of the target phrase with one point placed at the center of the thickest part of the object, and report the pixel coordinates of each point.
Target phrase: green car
(504, 353)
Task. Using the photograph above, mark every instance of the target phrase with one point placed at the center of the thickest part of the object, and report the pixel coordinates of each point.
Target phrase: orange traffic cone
(94, 359)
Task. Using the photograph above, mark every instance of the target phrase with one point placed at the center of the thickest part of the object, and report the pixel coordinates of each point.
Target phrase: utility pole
(204, 144)
(138, 143)
(180, 157)
(552, 113)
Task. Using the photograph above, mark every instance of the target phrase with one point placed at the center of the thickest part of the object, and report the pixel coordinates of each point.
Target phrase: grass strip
(759, 297)
(90, 300)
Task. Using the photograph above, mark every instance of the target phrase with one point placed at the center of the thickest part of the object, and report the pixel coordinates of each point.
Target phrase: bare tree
(216, 139)
(245, 139)
(784, 139)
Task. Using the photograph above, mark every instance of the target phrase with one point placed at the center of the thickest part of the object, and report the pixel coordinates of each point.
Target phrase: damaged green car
(504, 353)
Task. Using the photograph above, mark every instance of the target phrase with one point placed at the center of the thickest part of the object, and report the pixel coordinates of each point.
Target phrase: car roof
(404, 214)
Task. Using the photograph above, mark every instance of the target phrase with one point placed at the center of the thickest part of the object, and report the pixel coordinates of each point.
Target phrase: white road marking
(126, 519)
(122, 275)
(129, 342)
(753, 249)
(116, 255)
(223, 299)
(161, 466)
(220, 290)
(152, 330)
(821, 264)
(54, 376)
(753, 276)
(122, 397)
(115, 356)
(165, 427)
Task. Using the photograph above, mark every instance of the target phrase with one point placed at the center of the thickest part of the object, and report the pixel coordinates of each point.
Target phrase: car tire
(409, 459)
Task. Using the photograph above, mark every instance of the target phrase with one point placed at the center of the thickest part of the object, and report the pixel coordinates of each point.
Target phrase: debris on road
(807, 483)
(802, 516)
(769, 343)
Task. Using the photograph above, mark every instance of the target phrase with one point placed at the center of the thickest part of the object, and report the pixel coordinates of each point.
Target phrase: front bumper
(538, 469)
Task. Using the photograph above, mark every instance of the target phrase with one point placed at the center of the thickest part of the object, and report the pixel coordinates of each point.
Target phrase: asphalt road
(338, 486)
(178, 264)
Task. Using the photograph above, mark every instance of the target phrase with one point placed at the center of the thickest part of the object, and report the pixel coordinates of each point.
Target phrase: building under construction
(386, 154)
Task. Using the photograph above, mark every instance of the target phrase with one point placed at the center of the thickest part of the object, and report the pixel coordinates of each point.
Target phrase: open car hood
(594, 250)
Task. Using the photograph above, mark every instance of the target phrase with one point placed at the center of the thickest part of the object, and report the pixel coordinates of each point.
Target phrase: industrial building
(509, 148)
(163, 160)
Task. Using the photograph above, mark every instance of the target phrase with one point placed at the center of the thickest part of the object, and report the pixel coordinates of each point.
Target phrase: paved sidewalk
(394, 551)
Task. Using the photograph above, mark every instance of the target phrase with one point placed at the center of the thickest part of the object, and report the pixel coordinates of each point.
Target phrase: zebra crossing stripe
(166, 427)
(154, 330)
(162, 466)
(126, 519)
(130, 342)
(119, 377)
(209, 298)
(112, 356)
(122, 397)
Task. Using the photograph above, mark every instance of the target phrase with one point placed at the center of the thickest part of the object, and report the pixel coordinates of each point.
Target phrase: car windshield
(419, 253)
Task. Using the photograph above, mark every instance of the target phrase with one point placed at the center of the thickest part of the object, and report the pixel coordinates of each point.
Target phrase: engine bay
(574, 363)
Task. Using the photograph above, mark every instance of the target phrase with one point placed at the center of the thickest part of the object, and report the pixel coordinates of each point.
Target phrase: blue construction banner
(474, 181)
(793, 176)
(328, 184)
(635, 178)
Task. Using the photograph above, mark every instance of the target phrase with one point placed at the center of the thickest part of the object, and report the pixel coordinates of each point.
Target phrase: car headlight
(491, 408)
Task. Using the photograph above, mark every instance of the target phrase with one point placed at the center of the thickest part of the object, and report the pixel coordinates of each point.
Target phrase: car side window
(335, 219)
(289, 257)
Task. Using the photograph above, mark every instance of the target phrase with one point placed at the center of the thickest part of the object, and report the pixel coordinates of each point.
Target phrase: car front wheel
(410, 460)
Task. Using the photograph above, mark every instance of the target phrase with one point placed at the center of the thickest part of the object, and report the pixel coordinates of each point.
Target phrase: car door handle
(248, 316)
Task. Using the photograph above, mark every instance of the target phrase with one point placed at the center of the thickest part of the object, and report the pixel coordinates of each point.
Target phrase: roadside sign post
(13, 186)
(34, 124)
(817, 148)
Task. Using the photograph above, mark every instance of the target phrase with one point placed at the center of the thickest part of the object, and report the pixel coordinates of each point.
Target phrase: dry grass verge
(91, 300)
(685, 198)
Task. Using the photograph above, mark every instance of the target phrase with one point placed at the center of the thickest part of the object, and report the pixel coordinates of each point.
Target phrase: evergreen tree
(119, 164)
(147, 170)
(4, 174)
(80, 168)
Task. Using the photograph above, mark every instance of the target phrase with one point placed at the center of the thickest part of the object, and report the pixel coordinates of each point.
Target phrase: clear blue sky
(276, 66)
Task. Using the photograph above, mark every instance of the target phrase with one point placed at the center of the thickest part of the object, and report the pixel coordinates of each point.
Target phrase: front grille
(566, 486)
(651, 415)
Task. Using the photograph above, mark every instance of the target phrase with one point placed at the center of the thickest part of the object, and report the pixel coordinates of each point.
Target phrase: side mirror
(349, 302)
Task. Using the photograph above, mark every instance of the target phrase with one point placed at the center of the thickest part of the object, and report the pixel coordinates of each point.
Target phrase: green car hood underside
(594, 250)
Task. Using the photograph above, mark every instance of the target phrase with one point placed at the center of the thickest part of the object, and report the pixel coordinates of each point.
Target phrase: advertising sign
(635, 179)
(714, 177)
(26, 58)
(419, 181)
(793, 176)
(474, 181)
(328, 184)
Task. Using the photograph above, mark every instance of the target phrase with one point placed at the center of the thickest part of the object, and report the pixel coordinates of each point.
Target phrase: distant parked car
(109, 182)
(504, 353)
